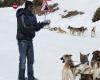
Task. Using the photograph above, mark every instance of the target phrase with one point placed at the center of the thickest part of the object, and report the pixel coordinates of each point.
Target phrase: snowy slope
(48, 46)
(86, 6)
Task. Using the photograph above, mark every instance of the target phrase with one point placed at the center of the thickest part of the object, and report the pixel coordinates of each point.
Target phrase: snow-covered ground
(48, 46)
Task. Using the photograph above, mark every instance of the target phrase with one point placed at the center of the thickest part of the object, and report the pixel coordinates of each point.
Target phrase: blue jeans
(26, 52)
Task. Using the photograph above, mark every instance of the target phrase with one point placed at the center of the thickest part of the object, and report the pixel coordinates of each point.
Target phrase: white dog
(68, 69)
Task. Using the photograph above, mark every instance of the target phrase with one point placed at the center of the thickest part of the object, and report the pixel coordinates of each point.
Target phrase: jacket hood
(28, 3)
(20, 12)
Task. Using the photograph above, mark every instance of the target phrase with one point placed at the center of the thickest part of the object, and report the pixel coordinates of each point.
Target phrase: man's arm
(31, 23)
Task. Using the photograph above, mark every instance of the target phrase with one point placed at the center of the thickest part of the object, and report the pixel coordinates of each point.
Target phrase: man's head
(29, 5)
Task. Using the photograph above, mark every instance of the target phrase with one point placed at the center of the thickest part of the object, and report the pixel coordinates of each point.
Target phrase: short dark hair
(27, 4)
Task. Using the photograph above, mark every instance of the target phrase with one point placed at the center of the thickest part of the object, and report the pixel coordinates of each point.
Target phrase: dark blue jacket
(26, 25)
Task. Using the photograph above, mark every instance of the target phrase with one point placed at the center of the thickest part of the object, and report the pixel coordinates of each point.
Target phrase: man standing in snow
(26, 27)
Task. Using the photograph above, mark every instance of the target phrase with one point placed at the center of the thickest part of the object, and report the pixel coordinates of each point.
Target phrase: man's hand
(46, 22)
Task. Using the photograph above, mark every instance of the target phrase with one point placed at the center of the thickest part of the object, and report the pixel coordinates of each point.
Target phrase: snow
(49, 46)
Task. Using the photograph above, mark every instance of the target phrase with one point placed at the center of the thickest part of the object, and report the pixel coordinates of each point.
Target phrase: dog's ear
(88, 54)
(70, 55)
(69, 26)
(81, 54)
(93, 53)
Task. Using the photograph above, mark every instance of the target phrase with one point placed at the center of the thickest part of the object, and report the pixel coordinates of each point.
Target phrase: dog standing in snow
(77, 31)
(68, 69)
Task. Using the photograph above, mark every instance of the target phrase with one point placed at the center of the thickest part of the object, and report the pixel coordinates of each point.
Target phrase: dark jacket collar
(27, 12)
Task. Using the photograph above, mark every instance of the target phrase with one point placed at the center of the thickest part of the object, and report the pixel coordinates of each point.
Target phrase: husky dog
(77, 31)
(68, 69)
(96, 70)
(84, 69)
(95, 62)
(93, 32)
(71, 30)
(96, 56)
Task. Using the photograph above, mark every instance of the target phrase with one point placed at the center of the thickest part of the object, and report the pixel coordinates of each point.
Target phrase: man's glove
(46, 22)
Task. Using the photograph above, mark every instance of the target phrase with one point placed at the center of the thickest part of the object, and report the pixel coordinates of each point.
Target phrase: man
(26, 27)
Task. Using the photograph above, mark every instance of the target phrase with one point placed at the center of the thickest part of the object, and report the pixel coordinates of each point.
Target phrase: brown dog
(96, 55)
(95, 58)
(95, 62)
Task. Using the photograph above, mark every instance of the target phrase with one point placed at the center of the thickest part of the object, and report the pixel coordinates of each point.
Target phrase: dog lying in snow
(60, 30)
